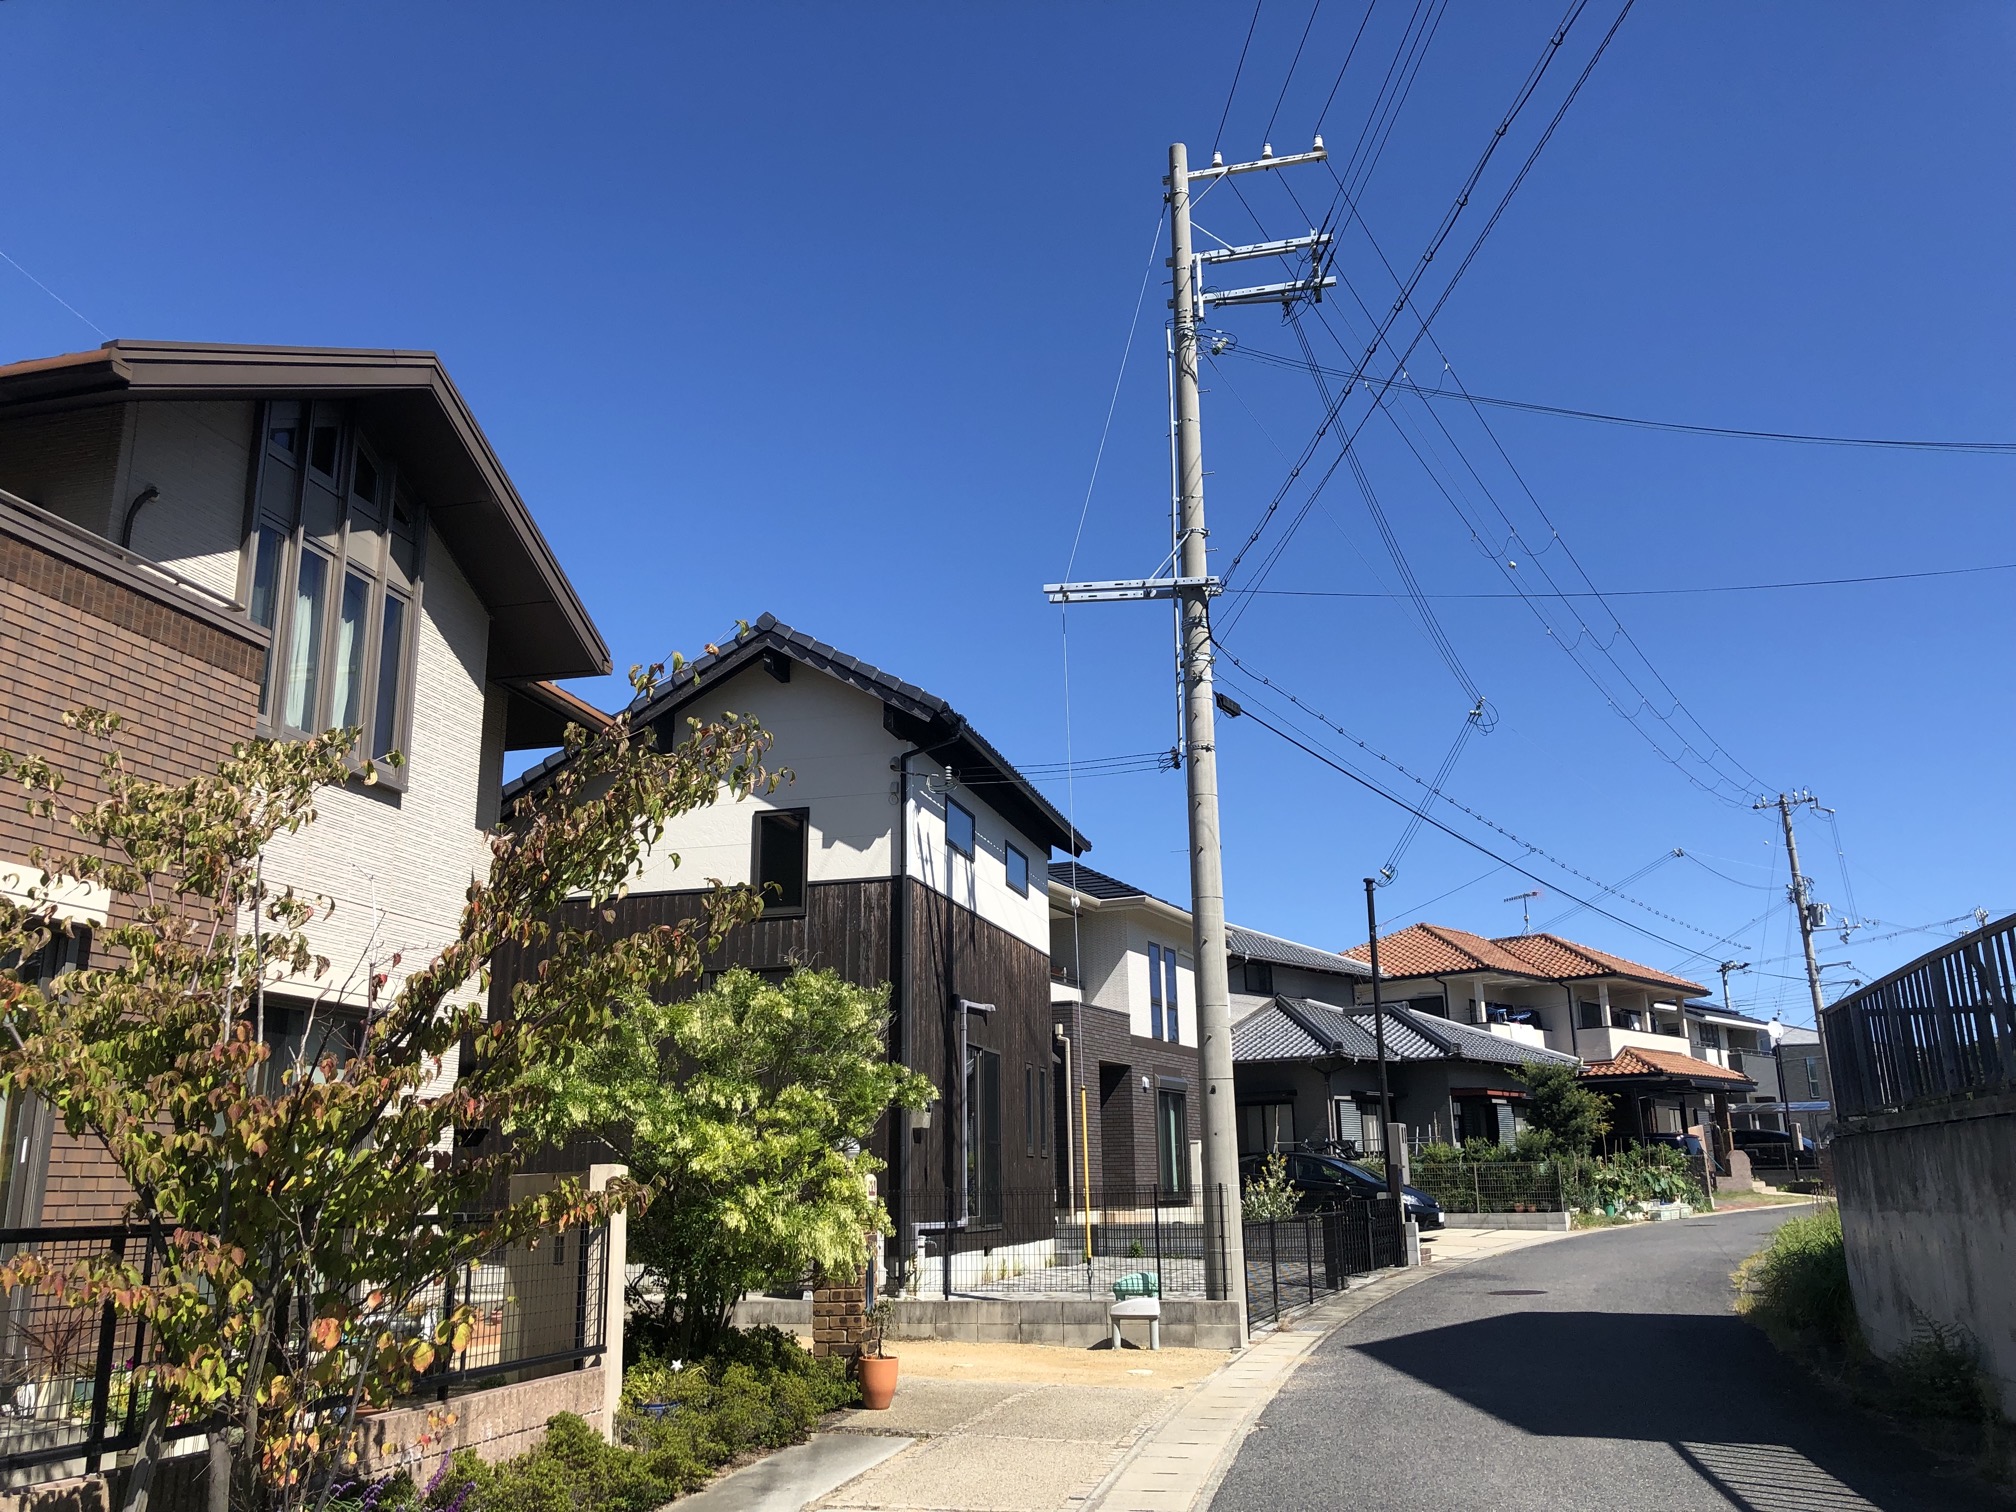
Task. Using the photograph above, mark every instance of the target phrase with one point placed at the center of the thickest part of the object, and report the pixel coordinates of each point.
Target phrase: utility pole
(1393, 1156)
(1811, 914)
(1725, 968)
(1192, 588)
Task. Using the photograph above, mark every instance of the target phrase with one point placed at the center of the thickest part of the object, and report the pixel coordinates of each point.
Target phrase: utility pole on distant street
(1725, 968)
(1192, 588)
(1811, 914)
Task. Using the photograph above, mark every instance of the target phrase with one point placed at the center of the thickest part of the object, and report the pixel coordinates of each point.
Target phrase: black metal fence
(1292, 1262)
(1942, 1027)
(71, 1386)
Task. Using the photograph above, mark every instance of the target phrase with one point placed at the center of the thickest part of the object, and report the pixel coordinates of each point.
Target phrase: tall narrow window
(264, 598)
(780, 859)
(302, 695)
(1169, 1025)
(1045, 1112)
(391, 665)
(983, 1135)
(1018, 871)
(1029, 1111)
(1155, 992)
(1172, 1142)
(353, 631)
(959, 829)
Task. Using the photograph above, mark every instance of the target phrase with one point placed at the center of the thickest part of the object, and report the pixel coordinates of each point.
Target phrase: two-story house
(1629, 1023)
(223, 541)
(1123, 997)
(905, 850)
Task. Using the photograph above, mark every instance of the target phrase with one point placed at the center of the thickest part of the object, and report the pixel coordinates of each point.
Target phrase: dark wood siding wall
(846, 927)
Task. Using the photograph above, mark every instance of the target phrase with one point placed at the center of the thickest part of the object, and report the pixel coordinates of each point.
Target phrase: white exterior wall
(197, 452)
(399, 865)
(831, 739)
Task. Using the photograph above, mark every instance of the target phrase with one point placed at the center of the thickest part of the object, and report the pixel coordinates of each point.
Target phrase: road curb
(1178, 1465)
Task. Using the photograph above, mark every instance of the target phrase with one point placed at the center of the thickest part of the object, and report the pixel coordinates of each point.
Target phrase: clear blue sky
(818, 309)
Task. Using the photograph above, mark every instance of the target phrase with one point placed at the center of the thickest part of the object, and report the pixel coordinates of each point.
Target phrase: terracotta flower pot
(878, 1381)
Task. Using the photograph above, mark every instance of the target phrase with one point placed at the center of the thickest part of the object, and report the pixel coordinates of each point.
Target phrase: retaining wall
(1928, 1212)
(1553, 1223)
(1187, 1322)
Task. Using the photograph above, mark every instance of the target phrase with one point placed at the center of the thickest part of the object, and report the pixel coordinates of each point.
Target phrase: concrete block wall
(1928, 1217)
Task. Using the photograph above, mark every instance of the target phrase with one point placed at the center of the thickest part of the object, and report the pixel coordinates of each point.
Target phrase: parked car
(1686, 1144)
(1772, 1146)
(1324, 1180)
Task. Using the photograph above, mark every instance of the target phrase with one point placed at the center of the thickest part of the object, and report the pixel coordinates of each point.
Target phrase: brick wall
(839, 1317)
(78, 630)
(1101, 1042)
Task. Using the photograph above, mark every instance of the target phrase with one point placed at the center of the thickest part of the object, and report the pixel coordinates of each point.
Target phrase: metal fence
(70, 1383)
(1491, 1186)
(1942, 1027)
(1027, 1243)
(1133, 1241)
(1292, 1262)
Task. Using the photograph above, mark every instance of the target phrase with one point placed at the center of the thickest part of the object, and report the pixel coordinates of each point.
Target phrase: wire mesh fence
(72, 1383)
(1491, 1186)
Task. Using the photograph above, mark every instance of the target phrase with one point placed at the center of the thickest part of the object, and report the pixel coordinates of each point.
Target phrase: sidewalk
(1024, 1428)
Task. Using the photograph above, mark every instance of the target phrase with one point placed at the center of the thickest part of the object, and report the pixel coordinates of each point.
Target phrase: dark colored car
(1773, 1145)
(1686, 1144)
(1325, 1180)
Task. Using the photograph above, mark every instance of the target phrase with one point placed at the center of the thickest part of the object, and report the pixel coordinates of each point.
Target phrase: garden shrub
(676, 1425)
(1267, 1197)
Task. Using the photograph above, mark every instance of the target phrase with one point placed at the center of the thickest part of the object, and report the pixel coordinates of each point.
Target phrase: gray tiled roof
(1303, 1029)
(1094, 884)
(1252, 945)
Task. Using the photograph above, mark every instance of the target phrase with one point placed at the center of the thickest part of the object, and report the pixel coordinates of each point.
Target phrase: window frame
(1154, 991)
(1172, 1014)
(1172, 1141)
(1011, 854)
(1264, 970)
(972, 845)
(356, 545)
(782, 910)
(981, 1137)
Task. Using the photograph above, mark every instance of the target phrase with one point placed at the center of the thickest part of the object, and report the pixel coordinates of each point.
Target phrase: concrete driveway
(1606, 1372)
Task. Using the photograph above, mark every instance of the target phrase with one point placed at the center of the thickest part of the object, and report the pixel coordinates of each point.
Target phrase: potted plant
(877, 1367)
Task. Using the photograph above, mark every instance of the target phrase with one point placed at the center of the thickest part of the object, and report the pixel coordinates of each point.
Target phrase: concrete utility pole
(1725, 968)
(1803, 905)
(1192, 588)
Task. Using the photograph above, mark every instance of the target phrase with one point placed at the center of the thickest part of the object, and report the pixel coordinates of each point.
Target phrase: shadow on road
(1712, 1387)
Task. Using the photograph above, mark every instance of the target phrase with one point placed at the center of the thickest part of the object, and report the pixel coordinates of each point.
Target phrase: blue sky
(818, 310)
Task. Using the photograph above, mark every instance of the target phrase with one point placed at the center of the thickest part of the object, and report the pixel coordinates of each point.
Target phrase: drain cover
(1517, 1292)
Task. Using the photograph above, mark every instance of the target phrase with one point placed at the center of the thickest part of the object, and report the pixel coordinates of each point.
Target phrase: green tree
(1565, 1108)
(743, 1111)
(293, 1201)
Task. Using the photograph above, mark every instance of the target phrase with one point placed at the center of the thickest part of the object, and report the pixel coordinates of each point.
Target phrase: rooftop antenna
(1525, 902)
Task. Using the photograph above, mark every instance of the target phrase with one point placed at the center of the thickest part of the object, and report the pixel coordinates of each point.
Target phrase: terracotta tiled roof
(1435, 950)
(1432, 950)
(1552, 956)
(1632, 1061)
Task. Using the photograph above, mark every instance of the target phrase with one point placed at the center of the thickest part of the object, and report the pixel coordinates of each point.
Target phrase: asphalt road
(1604, 1371)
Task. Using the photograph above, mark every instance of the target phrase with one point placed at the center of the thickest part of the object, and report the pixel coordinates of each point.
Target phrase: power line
(1434, 792)
(1293, 63)
(1888, 443)
(1239, 68)
(52, 293)
(1603, 593)
(1457, 835)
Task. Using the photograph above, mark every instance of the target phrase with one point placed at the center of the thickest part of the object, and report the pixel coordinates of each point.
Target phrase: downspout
(1574, 1036)
(899, 986)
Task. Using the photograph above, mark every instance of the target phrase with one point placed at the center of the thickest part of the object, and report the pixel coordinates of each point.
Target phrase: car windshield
(1344, 1167)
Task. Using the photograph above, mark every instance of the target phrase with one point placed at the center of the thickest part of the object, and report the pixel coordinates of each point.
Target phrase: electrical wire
(1345, 67)
(1414, 908)
(1528, 846)
(1531, 407)
(1293, 63)
(1622, 882)
(1603, 593)
(1218, 137)
(54, 295)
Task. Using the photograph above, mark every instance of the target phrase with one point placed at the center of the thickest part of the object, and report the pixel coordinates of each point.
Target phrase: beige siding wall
(197, 452)
(830, 737)
(398, 865)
